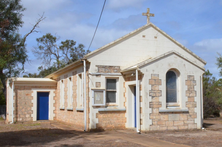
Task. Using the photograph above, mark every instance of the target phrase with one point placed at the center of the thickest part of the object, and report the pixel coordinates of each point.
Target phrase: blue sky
(195, 24)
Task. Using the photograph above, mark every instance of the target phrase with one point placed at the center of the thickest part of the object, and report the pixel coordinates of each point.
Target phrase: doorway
(42, 105)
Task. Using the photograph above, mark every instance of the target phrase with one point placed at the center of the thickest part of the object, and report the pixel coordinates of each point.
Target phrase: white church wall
(160, 67)
(148, 43)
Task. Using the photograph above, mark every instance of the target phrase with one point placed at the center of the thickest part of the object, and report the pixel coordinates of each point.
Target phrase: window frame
(104, 97)
(62, 96)
(80, 92)
(116, 90)
(69, 92)
(177, 103)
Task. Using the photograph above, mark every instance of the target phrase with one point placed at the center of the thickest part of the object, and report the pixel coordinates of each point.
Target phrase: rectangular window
(111, 90)
(69, 93)
(98, 96)
(62, 101)
(80, 91)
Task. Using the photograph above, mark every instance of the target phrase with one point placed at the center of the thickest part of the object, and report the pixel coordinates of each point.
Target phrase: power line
(97, 25)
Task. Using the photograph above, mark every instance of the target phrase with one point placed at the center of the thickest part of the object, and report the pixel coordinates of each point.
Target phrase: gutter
(137, 103)
(85, 118)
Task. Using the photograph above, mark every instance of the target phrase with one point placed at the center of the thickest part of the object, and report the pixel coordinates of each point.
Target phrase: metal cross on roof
(148, 14)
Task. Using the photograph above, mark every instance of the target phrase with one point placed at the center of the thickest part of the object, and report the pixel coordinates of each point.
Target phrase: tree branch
(34, 27)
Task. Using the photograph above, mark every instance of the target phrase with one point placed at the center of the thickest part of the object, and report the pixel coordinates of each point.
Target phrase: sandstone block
(169, 123)
(178, 123)
(154, 122)
(155, 87)
(183, 127)
(190, 93)
(190, 99)
(154, 128)
(141, 122)
(158, 82)
(164, 117)
(172, 128)
(154, 116)
(161, 122)
(155, 93)
(141, 98)
(152, 82)
(191, 104)
(155, 104)
(192, 126)
(98, 84)
(193, 115)
(183, 116)
(191, 110)
(174, 117)
(155, 99)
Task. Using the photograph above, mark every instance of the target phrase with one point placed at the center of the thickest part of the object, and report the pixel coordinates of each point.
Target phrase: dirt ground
(210, 136)
(52, 133)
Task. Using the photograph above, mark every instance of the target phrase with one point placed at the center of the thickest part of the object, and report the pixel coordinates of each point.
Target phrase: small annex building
(144, 80)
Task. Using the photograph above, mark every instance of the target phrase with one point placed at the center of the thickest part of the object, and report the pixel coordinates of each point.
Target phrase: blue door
(135, 105)
(42, 106)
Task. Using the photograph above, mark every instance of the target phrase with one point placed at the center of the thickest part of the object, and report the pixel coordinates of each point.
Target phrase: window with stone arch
(172, 88)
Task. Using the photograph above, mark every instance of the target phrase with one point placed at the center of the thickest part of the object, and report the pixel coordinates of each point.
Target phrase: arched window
(171, 87)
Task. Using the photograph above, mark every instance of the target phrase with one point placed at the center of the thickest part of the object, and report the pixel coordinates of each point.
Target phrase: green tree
(71, 52)
(211, 95)
(12, 45)
(54, 55)
(48, 50)
(219, 63)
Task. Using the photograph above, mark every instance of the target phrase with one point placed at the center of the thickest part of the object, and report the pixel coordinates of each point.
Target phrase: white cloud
(207, 49)
(211, 44)
(77, 20)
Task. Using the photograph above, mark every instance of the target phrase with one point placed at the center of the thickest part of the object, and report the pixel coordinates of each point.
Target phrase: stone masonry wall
(108, 69)
(111, 120)
(69, 116)
(172, 120)
(23, 102)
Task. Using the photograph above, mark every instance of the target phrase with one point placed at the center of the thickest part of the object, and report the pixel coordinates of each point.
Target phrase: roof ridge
(117, 40)
(175, 41)
(142, 63)
(139, 29)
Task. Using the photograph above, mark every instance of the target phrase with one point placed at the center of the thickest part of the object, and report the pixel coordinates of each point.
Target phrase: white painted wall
(9, 102)
(119, 99)
(130, 108)
(136, 48)
(145, 44)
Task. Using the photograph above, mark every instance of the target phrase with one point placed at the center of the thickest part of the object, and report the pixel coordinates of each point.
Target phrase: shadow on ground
(207, 125)
(36, 137)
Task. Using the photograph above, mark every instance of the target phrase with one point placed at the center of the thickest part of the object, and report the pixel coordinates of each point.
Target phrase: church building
(144, 80)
